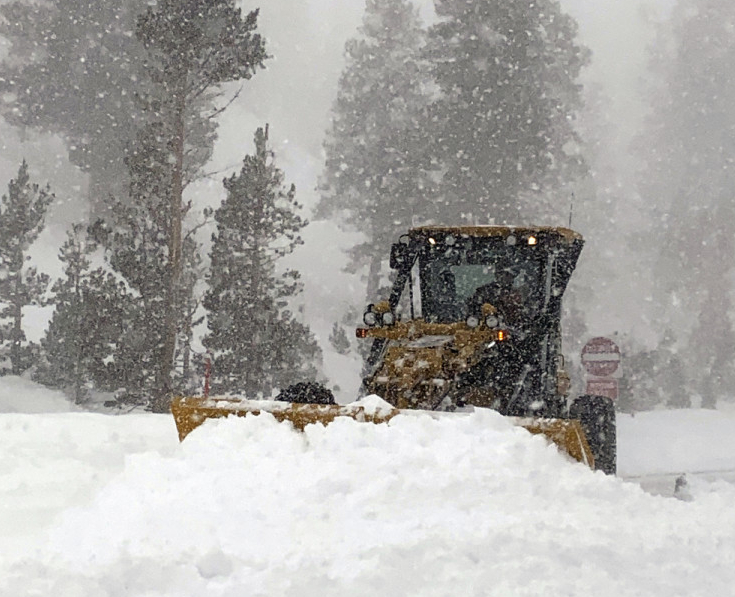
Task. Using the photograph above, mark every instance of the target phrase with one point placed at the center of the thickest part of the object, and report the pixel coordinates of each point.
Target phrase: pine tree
(257, 343)
(74, 69)
(135, 239)
(339, 340)
(192, 48)
(502, 125)
(687, 150)
(63, 344)
(80, 344)
(373, 176)
(22, 218)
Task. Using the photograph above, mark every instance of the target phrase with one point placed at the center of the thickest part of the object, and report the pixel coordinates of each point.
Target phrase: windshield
(457, 280)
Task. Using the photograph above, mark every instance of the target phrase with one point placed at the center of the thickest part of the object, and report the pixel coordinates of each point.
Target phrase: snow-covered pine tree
(64, 357)
(22, 218)
(687, 148)
(501, 128)
(74, 69)
(257, 343)
(82, 337)
(192, 48)
(136, 243)
(373, 177)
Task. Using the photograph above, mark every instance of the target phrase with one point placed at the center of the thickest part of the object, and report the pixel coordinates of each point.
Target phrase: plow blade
(567, 434)
(190, 412)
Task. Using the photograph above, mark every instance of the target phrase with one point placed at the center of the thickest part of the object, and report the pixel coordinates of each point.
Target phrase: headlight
(472, 322)
(492, 321)
(370, 318)
(388, 318)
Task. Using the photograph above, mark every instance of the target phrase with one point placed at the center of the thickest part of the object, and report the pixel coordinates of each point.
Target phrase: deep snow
(98, 505)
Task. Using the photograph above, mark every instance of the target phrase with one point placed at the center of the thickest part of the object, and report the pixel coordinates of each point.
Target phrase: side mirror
(399, 256)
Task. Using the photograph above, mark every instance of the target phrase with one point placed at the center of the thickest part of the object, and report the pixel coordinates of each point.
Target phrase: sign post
(601, 359)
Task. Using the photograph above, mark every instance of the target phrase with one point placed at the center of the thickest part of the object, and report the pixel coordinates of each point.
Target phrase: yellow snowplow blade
(190, 412)
(567, 434)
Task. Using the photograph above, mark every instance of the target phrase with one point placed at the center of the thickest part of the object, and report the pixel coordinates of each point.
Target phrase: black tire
(596, 414)
(308, 392)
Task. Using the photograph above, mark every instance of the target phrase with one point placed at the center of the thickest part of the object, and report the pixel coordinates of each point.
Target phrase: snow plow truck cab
(473, 320)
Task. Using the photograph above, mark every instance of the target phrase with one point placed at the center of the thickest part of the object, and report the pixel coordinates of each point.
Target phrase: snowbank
(55, 461)
(19, 395)
(463, 505)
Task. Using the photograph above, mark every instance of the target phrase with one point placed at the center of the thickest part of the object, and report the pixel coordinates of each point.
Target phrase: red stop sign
(601, 357)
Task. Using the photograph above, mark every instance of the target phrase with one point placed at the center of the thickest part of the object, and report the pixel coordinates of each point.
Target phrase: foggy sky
(294, 94)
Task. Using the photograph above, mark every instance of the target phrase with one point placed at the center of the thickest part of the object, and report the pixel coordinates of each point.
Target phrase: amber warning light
(361, 332)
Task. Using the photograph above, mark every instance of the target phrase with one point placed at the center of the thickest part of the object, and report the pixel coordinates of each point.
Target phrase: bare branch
(194, 229)
(219, 111)
(217, 172)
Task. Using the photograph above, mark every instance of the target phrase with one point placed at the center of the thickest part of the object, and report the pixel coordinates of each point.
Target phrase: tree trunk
(17, 310)
(162, 401)
(97, 206)
(17, 337)
(186, 352)
(77, 372)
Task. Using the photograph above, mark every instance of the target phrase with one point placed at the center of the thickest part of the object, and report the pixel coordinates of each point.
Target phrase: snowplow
(473, 320)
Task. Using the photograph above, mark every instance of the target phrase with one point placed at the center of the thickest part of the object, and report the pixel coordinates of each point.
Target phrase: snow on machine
(473, 321)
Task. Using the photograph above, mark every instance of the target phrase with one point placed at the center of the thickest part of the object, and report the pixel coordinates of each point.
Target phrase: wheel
(596, 414)
(309, 392)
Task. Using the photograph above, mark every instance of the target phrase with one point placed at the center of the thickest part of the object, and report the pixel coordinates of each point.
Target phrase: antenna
(571, 208)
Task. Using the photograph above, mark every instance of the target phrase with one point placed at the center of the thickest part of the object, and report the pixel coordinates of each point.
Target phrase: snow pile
(19, 395)
(53, 461)
(463, 505)
(374, 405)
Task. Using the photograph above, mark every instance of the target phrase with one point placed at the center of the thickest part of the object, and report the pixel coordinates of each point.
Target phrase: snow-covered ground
(95, 505)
